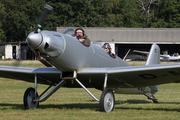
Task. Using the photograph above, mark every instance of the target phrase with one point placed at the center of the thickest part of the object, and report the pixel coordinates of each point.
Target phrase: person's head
(107, 47)
(79, 32)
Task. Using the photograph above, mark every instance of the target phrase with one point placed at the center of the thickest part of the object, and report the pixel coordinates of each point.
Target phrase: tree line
(19, 17)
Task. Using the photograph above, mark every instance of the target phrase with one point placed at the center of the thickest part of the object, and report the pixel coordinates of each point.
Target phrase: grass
(29, 63)
(75, 104)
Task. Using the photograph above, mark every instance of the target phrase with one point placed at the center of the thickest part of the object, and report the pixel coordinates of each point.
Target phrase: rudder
(154, 55)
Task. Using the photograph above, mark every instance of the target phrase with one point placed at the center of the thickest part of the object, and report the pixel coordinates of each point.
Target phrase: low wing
(165, 56)
(44, 75)
(136, 76)
(131, 76)
(142, 52)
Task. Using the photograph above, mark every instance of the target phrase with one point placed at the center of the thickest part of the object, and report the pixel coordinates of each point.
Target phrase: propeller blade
(45, 12)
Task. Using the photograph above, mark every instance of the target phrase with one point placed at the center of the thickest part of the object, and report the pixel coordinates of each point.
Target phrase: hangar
(123, 39)
(120, 39)
(16, 50)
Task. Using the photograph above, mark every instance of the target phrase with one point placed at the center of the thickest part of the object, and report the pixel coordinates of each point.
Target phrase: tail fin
(154, 55)
(153, 58)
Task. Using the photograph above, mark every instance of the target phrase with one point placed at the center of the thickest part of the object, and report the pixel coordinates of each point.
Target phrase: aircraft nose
(34, 40)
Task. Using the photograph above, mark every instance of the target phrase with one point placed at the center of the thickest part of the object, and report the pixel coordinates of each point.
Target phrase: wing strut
(86, 90)
(35, 84)
(47, 92)
(53, 90)
(105, 81)
(74, 77)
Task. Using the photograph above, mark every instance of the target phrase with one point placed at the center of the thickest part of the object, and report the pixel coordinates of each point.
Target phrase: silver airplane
(163, 57)
(71, 64)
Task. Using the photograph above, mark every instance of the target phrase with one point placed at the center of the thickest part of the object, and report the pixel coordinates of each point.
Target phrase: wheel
(155, 101)
(29, 96)
(107, 100)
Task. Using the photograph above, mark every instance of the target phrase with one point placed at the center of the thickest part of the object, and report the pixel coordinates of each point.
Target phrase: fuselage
(170, 58)
(68, 54)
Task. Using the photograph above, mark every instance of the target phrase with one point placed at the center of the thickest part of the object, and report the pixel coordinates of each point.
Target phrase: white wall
(8, 51)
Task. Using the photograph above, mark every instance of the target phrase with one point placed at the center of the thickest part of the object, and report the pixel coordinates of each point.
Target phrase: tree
(167, 15)
(19, 18)
(2, 13)
(146, 7)
(130, 13)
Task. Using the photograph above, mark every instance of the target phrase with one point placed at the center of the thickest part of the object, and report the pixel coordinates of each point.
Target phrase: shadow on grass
(145, 102)
(150, 109)
(7, 106)
(136, 101)
(94, 106)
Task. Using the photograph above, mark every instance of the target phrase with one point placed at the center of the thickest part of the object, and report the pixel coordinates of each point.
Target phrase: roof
(132, 35)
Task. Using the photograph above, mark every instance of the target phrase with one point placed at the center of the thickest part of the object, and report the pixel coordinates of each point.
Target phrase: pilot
(107, 48)
(82, 37)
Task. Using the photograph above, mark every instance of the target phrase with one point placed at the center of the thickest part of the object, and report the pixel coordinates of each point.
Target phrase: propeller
(34, 39)
(45, 12)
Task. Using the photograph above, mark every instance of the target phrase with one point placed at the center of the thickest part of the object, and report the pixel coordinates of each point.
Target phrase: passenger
(176, 54)
(82, 37)
(107, 48)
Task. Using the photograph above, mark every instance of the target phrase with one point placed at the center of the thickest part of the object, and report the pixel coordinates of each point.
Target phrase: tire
(107, 100)
(29, 96)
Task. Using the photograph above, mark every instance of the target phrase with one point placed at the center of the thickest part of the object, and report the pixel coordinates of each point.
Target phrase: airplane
(133, 57)
(71, 64)
(164, 57)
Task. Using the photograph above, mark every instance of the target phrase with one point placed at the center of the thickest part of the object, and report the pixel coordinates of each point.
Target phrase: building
(120, 39)
(16, 50)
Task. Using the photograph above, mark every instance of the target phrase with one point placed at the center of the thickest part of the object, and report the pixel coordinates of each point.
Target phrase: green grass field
(76, 104)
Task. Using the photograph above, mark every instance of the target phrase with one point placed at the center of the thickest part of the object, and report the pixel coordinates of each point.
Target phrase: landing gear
(107, 100)
(29, 99)
(155, 101)
(151, 97)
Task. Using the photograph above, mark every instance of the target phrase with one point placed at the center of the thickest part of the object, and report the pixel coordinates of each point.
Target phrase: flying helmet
(106, 45)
